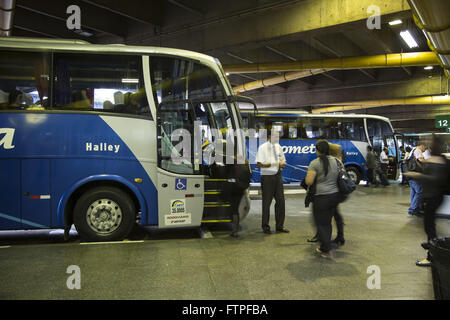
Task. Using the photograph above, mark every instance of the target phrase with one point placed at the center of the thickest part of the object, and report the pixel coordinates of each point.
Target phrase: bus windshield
(186, 92)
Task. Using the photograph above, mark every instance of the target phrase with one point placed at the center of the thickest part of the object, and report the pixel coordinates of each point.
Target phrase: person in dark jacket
(383, 163)
(434, 182)
(239, 176)
(405, 156)
(371, 164)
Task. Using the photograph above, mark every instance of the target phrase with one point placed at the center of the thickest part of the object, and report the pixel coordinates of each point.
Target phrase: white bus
(86, 137)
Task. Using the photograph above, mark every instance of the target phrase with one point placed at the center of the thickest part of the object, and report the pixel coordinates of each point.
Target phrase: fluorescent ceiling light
(428, 68)
(408, 38)
(395, 22)
(228, 73)
(130, 80)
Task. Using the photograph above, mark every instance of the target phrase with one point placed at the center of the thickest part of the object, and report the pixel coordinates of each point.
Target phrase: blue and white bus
(299, 132)
(86, 137)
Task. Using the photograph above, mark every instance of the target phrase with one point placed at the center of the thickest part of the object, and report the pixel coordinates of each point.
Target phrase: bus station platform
(181, 265)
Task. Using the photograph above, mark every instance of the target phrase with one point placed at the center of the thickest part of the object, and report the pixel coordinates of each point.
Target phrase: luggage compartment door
(36, 194)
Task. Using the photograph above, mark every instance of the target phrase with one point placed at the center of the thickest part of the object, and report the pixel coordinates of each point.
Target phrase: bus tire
(354, 174)
(104, 214)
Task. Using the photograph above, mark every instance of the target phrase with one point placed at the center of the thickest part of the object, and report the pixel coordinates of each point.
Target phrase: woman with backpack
(434, 180)
(337, 152)
(324, 171)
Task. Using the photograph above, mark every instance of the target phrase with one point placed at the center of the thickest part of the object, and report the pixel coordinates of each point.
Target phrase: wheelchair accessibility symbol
(180, 184)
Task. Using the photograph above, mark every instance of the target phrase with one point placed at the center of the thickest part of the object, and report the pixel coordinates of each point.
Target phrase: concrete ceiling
(257, 31)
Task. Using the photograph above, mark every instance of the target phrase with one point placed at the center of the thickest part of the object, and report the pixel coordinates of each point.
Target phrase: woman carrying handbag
(324, 172)
(337, 152)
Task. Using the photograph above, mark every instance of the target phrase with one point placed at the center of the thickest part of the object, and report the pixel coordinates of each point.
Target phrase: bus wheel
(104, 214)
(354, 174)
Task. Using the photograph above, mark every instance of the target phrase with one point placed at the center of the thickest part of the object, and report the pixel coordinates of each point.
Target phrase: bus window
(292, 130)
(386, 128)
(377, 130)
(222, 116)
(171, 117)
(201, 115)
(349, 129)
(185, 91)
(315, 128)
(103, 83)
(177, 79)
(281, 128)
(24, 80)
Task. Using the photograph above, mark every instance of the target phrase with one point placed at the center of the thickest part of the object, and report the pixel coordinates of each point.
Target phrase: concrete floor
(176, 265)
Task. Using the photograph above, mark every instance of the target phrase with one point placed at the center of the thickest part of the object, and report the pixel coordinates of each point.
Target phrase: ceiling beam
(248, 77)
(328, 75)
(293, 18)
(185, 7)
(238, 57)
(319, 44)
(280, 53)
(35, 32)
(54, 28)
(93, 19)
(368, 74)
(143, 11)
(407, 71)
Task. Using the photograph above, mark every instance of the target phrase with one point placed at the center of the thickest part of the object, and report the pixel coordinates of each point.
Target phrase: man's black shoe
(267, 231)
(313, 239)
(283, 230)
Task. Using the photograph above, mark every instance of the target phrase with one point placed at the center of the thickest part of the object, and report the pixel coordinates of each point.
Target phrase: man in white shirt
(270, 159)
(384, 162)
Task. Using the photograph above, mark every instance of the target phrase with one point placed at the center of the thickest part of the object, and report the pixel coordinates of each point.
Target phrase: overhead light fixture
(395, 22)
(227, 74)
(408, 38)
(130, 80)
(428, 68)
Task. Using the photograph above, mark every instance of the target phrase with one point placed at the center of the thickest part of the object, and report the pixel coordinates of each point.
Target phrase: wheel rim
(353, 175)
(104, 216)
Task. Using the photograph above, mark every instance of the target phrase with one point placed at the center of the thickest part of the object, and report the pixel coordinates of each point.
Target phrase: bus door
(180, 181)
(215, 115)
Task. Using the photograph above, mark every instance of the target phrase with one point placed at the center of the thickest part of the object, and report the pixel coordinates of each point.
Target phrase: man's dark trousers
(272, 187)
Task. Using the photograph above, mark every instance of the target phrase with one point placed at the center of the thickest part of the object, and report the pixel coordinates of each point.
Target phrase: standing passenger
(404, 168)
(324, 172)
(384, 162)
(337, 152)
(434, 182)
(240, 174)
(371, 163)
(416, 194)
(270, 159)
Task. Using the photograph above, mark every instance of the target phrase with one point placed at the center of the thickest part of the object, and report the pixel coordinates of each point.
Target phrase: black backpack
(344, 182)
(412, 164)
